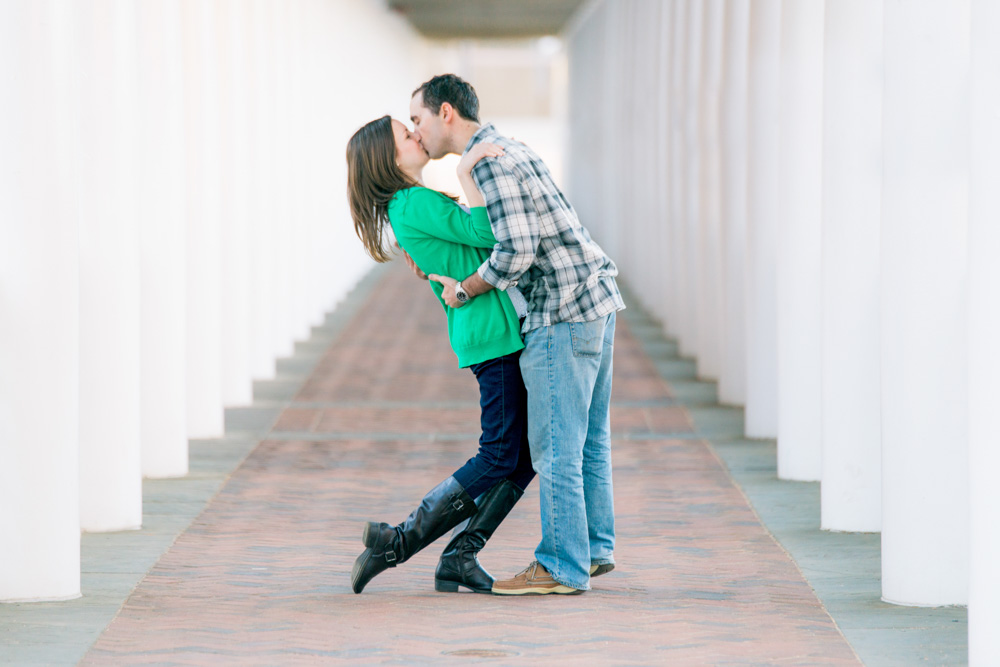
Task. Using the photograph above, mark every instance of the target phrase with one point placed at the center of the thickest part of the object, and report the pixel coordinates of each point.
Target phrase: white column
(678, 285)
(662, 131)
(284, 221)
(110, 409)
(318, 225)
(691, 343)
(851, 492)
(204, 298)
(324, 202)
(162, 240)
(763, 113)
(611, 217)
(301, 320)
(645, 143)
(627, 144)
(984, 332)
(334, 283)
(710, 300)
(39, 304)
(733, 203)
(262, 210)
(800, 214)
(925, 207)
(629, 172)
(235, 165)
(584, 77)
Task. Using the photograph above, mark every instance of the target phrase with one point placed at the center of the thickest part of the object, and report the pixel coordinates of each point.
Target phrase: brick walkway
(262, 576)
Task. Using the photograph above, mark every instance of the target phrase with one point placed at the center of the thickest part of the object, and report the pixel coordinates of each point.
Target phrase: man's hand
(448, 294)
(413, 265)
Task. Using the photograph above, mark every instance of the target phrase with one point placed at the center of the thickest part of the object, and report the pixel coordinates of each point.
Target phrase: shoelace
(531, 568)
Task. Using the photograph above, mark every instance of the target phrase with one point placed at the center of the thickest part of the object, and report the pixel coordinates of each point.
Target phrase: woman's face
(410, 155)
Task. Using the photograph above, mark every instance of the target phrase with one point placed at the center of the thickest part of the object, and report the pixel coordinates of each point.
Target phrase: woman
(385, 174)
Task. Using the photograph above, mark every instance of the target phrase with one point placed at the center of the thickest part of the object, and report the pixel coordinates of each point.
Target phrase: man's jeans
(567, 370)
(503, 446)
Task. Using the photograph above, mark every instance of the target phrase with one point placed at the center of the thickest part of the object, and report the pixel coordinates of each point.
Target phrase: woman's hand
(475, 154)
(465, 165)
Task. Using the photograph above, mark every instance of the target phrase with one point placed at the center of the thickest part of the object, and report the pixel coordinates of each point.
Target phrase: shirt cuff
(493, 277)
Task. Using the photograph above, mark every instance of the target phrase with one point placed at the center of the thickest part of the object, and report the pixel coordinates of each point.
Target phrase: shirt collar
(480, 135)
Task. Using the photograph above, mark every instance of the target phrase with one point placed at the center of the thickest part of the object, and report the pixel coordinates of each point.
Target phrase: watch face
(461, 296)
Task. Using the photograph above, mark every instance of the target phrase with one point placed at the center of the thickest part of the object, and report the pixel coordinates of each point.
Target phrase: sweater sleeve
(430, 213)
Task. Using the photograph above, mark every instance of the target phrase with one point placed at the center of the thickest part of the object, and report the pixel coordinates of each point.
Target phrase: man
(569, 284)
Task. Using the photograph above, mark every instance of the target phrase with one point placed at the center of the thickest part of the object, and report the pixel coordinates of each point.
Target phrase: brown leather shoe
(532, 580)
(603, 568)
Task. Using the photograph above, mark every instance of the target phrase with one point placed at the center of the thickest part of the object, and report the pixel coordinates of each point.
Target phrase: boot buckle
(390, 556)
(458, 504)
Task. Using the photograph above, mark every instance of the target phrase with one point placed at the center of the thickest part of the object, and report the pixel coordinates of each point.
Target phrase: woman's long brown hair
(373, 177)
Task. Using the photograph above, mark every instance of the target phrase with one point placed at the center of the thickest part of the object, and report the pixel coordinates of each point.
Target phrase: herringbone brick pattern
(262, 577)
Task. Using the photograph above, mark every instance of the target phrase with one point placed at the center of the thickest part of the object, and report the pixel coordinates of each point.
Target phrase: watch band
(460, 292)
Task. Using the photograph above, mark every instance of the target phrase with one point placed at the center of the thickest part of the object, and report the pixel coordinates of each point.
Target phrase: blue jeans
(567, 370)
(503, 446)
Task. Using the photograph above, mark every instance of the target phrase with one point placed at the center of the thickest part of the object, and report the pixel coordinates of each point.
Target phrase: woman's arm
(468, 161)
(430, 214)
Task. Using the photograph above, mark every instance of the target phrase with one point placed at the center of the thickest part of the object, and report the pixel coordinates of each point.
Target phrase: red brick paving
(262, 576)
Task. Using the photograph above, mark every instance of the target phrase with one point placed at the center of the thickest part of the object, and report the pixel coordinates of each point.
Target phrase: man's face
(429, 128)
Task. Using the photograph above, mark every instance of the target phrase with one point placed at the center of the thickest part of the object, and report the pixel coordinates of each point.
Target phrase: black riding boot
(459, 565)
(443, 508)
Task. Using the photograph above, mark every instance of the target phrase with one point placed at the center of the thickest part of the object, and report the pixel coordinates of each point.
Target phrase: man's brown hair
(455, 91)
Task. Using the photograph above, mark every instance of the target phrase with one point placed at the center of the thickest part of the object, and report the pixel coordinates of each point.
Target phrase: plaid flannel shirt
(541, 246)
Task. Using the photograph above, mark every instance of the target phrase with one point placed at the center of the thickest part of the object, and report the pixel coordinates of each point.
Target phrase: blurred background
(801, 192)
(173, 219)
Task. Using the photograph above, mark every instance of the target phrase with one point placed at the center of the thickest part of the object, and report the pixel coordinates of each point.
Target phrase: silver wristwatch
(460, 293)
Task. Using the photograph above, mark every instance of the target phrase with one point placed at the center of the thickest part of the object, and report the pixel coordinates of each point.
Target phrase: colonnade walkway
(718, 562)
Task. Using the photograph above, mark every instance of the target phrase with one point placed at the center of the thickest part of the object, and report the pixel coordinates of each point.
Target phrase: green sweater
(443, 239)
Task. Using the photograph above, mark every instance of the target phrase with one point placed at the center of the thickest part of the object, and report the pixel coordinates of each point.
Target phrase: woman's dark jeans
(503, 447)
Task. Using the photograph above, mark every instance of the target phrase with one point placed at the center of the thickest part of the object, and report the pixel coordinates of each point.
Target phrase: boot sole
(603, 568)
(359, 564)
(368, 536)
(442, 586)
